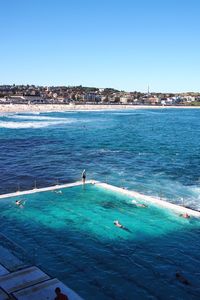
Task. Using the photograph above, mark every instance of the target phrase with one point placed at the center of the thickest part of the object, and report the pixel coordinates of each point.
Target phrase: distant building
(124, 100)
(189, 98)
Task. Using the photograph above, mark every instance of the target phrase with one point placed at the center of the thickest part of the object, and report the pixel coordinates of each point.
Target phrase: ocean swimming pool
(71, 236)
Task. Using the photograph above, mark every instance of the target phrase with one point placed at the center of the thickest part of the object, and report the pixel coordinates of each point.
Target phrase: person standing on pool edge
(83, 176)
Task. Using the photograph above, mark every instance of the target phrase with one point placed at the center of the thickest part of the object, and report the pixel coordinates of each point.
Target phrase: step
(9, 260)
(3, 295)
(3, 270)
(21, 279)
(46, 290)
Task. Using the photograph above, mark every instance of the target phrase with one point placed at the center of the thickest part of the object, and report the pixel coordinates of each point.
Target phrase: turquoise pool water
(71, 236)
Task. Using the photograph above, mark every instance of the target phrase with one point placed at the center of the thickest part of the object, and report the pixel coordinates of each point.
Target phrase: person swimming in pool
(182, 279)
(119, 225)
(185, 215)
(20, 203)
(116, 223)
(58, 192)
(139, 204)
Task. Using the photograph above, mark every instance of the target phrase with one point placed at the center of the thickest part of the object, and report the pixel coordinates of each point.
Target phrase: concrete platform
(3, 270)
(3, 295)
(21, 279)
(50, 188)
(9, 260)
(46, 290)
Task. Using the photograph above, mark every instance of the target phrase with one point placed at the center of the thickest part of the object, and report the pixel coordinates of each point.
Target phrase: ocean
(152, 151)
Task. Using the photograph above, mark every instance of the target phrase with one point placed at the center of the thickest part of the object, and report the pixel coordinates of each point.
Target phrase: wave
(21, 125)
(122, 113)
(14, 114)
(108, 151)
(176, 192)
(34, 113)
(25, 117)
(6, 114)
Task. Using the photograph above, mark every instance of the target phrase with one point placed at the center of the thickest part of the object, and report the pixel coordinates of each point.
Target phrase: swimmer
(185, 215)
(116, 223)
(182, 279)
(141, 205)
(58, 192)
(20, 203)
(133, 201)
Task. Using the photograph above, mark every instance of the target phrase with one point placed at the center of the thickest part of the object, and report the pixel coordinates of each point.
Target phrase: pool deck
(45, 189)
(22, 281)
(33, 284)
(159, 202)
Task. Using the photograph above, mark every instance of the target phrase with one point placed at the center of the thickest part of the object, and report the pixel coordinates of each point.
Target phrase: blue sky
(125, 44)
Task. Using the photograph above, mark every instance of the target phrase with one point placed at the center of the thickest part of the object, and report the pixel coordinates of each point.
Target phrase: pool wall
(50, 188)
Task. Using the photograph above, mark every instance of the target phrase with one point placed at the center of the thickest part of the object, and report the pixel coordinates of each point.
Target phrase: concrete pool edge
(45, 189)
(159, 202)
(171, 206)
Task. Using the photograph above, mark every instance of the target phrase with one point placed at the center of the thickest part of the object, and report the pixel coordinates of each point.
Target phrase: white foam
(122, 113)
(108, 151)
(35, 117)
(196, 190)
(20, 125)
(33, 113)
(5, 114)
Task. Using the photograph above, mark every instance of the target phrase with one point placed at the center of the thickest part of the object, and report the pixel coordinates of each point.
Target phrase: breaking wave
(20, 125)
(35, 117)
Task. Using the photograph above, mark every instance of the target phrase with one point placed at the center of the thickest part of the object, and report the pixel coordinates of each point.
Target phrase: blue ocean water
(154, 151)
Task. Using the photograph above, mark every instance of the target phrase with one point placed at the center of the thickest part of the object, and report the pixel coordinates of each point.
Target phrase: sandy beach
(23, 108)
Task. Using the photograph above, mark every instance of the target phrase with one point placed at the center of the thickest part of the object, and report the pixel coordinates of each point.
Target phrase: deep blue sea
(152, 151)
